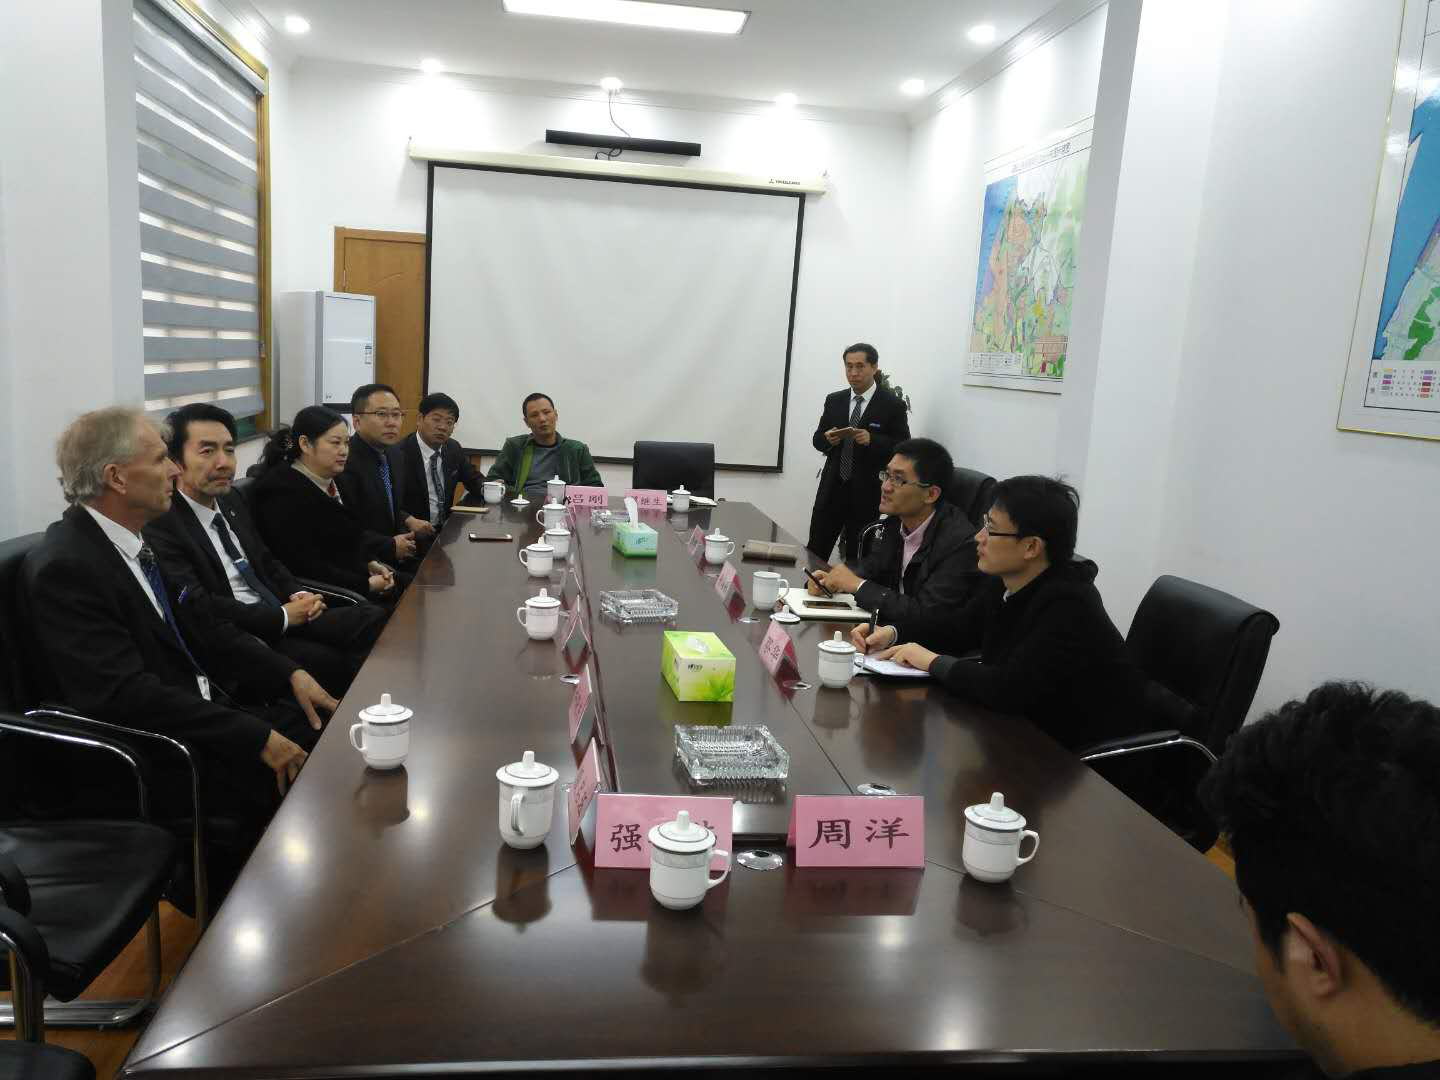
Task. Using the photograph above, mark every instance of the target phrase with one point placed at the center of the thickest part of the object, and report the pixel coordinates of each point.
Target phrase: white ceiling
(833, 53)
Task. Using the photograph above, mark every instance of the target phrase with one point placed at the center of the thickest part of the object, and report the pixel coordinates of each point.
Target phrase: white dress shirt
(425, 455)
(239, 587)
(865, 399)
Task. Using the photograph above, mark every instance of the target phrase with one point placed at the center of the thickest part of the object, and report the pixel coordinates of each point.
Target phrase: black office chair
(667, 465)
(244, 487)
(972, 492)
(1203, 651)
(37, 1061)
(73, 894)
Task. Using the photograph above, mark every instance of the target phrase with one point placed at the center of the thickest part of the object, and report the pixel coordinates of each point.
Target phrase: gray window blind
(197, 127)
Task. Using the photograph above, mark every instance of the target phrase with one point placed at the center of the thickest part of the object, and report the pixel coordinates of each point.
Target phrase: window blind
(196, 120)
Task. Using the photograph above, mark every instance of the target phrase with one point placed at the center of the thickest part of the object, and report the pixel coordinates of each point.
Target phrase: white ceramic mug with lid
(993, 835)
(837, 662)
(680, 854)
(540, 616)
(538, 559)
(718, 547)
(680, 500)
(551, 515)
(383, 734)
(765, 586)
(527, 801)
(559, 539)
(555, 489)
(494, 491)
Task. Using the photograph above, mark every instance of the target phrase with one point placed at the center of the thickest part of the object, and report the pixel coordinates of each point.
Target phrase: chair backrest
(667, 465)
(1206, 646)
(17, 646)
(244, 486)
(971, 491)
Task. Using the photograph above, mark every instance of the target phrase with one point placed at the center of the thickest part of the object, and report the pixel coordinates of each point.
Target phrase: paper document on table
(838, 608)
(889, 667)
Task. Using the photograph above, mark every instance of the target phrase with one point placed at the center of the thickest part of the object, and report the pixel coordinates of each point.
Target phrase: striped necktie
(847, 451)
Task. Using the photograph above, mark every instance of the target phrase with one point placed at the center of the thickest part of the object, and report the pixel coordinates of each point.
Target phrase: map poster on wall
(1392, 382)
(1029, 237)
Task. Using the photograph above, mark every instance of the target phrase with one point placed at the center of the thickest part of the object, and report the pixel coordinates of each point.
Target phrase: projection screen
(645, 310)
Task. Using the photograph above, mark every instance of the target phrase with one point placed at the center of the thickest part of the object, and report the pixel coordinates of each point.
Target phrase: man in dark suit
(115, 646)
(434, 462)
(373, 483)
(212, 554)
(857, 433)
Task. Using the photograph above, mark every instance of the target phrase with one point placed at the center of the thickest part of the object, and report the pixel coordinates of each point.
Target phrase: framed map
(1392, 381)
(1029, 239)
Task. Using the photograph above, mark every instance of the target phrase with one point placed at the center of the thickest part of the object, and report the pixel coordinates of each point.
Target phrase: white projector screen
(646, 311)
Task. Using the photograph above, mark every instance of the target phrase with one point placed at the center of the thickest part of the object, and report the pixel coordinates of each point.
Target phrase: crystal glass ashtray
(714, 755)
(638, 606)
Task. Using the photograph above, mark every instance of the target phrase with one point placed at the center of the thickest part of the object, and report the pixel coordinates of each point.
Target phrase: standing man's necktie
(151, 568)
(440, 499)
(241, 563)
(847, 449)
(385, 479)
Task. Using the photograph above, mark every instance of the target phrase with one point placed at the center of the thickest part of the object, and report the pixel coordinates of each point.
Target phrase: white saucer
(519, 502)
(785, 617)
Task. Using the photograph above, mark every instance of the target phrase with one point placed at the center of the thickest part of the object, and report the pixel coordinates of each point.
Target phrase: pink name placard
(728, 582)
(858, 830)
(587, 497)
(777, 648)
(623, 824)
(579, 702)
(647, 499)
(582, 791)
(697, 539)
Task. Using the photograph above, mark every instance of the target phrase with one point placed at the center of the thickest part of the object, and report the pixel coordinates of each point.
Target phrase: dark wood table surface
(382, 926)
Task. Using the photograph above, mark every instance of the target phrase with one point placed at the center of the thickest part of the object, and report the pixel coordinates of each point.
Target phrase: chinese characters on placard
(837, 831)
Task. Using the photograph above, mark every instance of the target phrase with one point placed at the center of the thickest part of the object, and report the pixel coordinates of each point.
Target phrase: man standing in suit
(373, 483)
(434, 462)
(211, 552)
(857, 433)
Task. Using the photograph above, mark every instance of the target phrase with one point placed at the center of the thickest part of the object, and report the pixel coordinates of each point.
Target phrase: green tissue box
(633, 540)
(697, 666)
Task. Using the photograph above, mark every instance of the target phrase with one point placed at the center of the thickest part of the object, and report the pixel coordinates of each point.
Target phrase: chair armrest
(65, 730)
(29, 963)
(1149, 740)
(14, 890)
(332, 592)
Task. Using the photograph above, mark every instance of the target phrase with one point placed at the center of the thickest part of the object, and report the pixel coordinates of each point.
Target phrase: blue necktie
(385, 479)
(151, 568)
(242, 564)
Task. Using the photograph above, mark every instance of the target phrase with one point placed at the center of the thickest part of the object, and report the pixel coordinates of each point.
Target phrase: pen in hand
(819, 584)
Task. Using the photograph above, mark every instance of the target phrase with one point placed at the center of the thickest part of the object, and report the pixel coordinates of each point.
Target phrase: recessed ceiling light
(787, 100)
(913, 87)
(431, 66)
(636, 13)
(295, 24)
(983, 34)
(611, 84)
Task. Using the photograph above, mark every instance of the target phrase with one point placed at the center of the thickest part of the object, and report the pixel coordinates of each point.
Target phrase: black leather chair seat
(36, 1061)
(92, 886)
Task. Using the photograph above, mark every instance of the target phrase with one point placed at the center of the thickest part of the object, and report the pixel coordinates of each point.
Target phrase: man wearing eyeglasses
(434, 462)
(1046, 648)
(922, 556)
(373, 483)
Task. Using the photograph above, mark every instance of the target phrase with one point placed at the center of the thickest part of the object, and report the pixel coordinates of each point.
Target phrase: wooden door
(390, 266)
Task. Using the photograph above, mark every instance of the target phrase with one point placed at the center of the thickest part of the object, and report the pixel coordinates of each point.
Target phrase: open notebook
(840, 609)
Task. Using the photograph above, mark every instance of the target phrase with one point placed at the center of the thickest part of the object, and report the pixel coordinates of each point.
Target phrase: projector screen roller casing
(647, 311)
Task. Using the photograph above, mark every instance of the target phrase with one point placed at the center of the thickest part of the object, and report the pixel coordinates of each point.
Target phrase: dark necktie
(385, 479)
(440, 499)
(151, 568)
(847, 449)
(242, 564)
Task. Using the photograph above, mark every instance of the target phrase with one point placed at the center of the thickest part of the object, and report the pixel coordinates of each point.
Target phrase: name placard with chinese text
(579, 701)
(623, 823)
(587, 497)
(858, 830)
(582, 791)
(647, 498)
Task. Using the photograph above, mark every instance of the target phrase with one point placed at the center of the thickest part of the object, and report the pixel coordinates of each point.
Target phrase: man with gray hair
(120, 648)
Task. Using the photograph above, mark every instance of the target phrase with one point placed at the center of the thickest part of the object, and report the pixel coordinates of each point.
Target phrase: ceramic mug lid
(837, 644)
(557, 531)
(540, 549)
(555, 479)
(995, 815)
(680, 491)
(554, 506)
(544, 600)
(682, 836)
(717, 535)
(527, 773)
(387, 712)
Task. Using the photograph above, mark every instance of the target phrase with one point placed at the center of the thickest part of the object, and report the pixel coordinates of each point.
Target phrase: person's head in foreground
(1332, 809)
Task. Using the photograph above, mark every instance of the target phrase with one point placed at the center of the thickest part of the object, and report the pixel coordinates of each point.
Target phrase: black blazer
(111, 656)
(316, 536)
(364, 492)
(942, 575)
(886, 420)
(194, 569)
(455, 467)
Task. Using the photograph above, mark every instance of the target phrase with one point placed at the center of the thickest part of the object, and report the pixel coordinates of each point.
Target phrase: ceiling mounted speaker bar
(622, 142)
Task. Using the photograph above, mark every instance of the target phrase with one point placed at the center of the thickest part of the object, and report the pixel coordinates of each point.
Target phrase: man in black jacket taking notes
(857, 433)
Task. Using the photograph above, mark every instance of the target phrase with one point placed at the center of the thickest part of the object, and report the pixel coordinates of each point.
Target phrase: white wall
(346, 143)
(1002, 432)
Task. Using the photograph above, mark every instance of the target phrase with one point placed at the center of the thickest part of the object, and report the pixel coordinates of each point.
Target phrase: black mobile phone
(829, 605)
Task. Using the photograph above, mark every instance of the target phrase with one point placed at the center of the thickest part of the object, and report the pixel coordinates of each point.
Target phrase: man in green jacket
(527, 461)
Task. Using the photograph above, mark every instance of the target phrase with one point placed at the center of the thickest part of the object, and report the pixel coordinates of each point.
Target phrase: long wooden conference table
(383, 928)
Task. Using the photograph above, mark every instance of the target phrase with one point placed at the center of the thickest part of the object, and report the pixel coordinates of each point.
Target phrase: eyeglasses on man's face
(987, 526)
(896, 480)
(385, 414)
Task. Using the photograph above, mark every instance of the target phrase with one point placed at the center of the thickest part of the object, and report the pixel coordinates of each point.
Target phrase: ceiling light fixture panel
(983, 34)
(647, 13)
(297, 24)
(912, 87)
